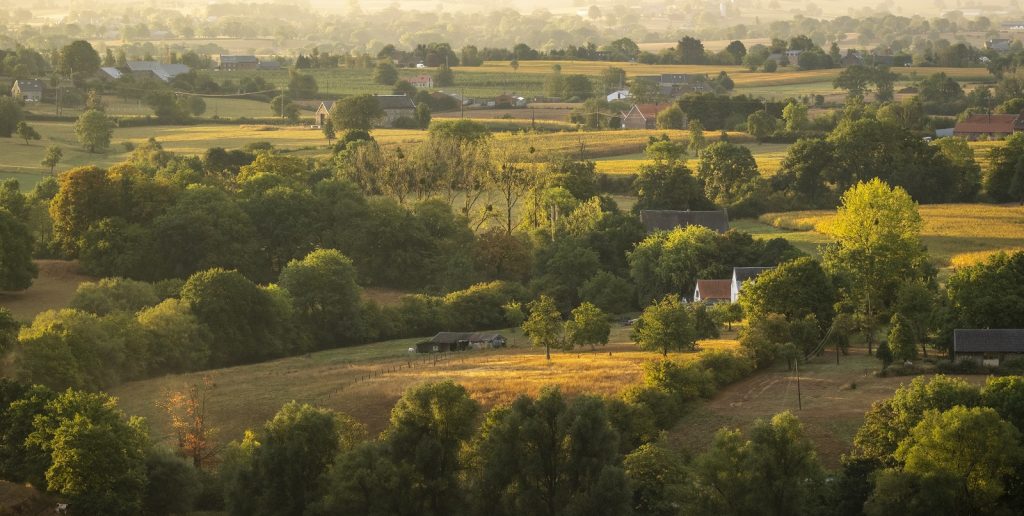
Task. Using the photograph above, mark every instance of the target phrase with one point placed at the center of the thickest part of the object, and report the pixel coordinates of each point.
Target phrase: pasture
(366, 381)
(52, 289)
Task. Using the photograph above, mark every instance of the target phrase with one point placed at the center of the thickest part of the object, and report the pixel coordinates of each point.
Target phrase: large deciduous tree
(665, 326)
(728, 172)
(544, 324)
(326, 297)
(94, 130)
(16, 267)
(359, 112)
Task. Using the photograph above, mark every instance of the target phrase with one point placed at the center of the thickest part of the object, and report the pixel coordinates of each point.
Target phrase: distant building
(998, 44)
(395, 107)
(461, 341)
(30, 90)
(851, 59)
(154, 69)
(323, 112)
(667, 220)
(422, 81)
(713, 291)
(1018, 25)
(269, 64)
(740, 276)
(618, 95)
(987, 347)
(642, 116)
(989, 126)
(237, 62)
(108, 73)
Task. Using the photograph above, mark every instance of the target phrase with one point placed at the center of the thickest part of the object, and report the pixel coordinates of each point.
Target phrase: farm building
(987, 347)
(227, 62)
(740, 276)
(988, 126)
(642, 116)
(28, 90)
(395, 107)
(461, 341)
(712, 291)
(618, 95)
(107, 73)
(164, 72)
(422, 81)
(998, 44)
(323, 112)
(667, 220)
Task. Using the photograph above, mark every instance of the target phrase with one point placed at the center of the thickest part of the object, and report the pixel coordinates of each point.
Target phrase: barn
(461, 341)
(987, 347)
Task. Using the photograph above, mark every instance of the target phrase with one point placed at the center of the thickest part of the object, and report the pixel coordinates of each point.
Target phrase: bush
(404, 122)
(726, 367)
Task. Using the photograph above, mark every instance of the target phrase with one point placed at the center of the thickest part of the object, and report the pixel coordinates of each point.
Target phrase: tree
(10, 116)
(901, 339)
(971, 446)
(110, 295)
(97, 455)
(795, 115)
(728, 172)
(172, 484)
(359, 112)
(697, 140)
(404, 87)
(430, 424)
(737, 50)
(165, 106)
(988, 294)
(188, 413)
(878, 245)
(669, 185)
(325, 295)
(444, 77)
(79, 58)
(854, 79)
(423, 115)
(1005, 394)
(884, 354)
(8, 330)
(16, 267)
(302, 85)
(659, 478)
(588, 326)
(549, 457)
(385, 73)
(664, 325)
(671, 118)
(27, 132)
(795, 289)
(577, 86)
(53, 156)
(328, 130)
(544, 325)
(760, 124)
(94, 130)
(690, 50)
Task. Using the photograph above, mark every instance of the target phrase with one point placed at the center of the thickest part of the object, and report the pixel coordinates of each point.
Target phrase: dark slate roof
(237, 59)
(666, 220)
(30, 84)
(395, 102)
(741, 274)
(451, 337)
(988, 341)
(327, 104)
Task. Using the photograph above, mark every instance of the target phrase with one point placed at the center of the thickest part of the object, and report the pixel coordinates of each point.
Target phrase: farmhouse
(323, 112)
(712, 291)
(461, 341)
(642, 116)
(164, 72)
(228, 62)
(395, 107)
(422, 81)
(987, 347)
(667, 220)
(988, 126)
(740, 276)
(998, 44)
(28, 90)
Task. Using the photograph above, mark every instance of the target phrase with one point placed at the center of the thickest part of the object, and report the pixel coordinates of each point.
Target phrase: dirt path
(56, 284)
(834, 400)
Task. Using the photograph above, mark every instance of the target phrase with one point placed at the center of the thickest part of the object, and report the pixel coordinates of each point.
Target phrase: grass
(247, 396)
(53, 289)
(767, 155)
(956, 234)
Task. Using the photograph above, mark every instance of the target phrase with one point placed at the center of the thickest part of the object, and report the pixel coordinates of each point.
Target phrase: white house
(741, 275)
(618, 95)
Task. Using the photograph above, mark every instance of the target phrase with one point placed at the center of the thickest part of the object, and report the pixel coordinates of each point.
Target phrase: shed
(987, 347)
(323, 112)
(713, 291)
(461, 341)
(237, 62)
(667, 220)
(988, 126)
(740, 276)
(395, 107)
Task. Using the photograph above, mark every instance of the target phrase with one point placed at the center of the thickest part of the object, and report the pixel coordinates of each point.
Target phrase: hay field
(246, 396)
(767, 155)
(52, 289)
(956, 234)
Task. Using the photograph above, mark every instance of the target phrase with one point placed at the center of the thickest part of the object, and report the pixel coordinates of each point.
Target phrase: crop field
(222, 107)
(956, 234)
(767, 155)
(365, 381)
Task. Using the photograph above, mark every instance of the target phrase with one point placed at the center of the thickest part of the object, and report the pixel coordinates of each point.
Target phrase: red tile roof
(987, 124)
(714, 289)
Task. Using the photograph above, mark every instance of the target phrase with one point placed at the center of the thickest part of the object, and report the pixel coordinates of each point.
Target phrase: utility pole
(282, 102)
(799, 400)
(462, 102)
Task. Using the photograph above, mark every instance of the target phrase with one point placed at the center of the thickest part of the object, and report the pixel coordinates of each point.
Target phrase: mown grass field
(247, 396)
(956, 234)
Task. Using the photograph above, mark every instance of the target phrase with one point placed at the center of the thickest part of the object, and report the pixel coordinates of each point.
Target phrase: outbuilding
(461, 341)
(987, 347)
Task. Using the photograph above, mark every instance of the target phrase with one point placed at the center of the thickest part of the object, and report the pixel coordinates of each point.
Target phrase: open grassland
(834, 399)
(222, 107)
(246, 396)
(956, 234)
(53, 289)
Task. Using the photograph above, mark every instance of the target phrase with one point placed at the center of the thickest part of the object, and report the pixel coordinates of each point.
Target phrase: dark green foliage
(609, 292)
(172, 485)
(795, 289)
(325, 295)
(658, 478)
(19, 404)
(669, 186)
(989, 294)
(10, 115)
(114, 295)
(1004, 181)
(16, 268)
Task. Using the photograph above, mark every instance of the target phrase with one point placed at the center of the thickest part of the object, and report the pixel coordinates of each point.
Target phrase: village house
(395, 107)
(993, 127)
(987, 347)
(998, 44)
(740, 276)
(154, 69)
(642, 116)
(30, 90)
(422, 81)
(461, 341)
(712, 291)
(667, 220)
(323, 113)
(237, 62)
